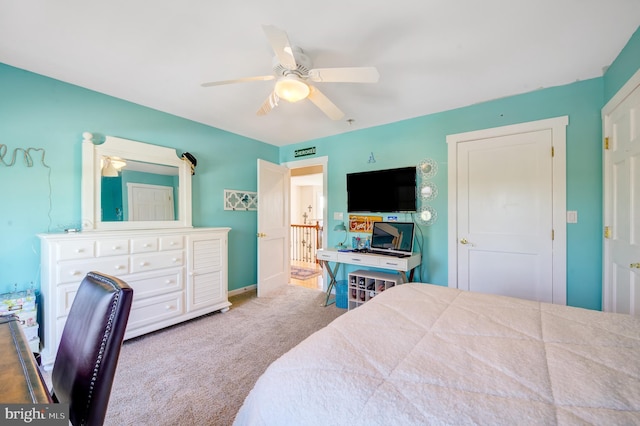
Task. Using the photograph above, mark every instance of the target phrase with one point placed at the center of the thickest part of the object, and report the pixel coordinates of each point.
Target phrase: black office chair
(88, 354)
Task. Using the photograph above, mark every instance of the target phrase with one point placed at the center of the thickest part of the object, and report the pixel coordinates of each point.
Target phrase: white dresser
(176, 275)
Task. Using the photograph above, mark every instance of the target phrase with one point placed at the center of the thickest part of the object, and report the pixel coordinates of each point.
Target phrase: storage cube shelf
(364, 285)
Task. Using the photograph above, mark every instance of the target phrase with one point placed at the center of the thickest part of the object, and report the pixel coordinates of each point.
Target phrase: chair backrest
(88, 353)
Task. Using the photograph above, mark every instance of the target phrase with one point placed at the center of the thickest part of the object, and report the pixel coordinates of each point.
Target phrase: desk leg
(332, 281)
(403, 276)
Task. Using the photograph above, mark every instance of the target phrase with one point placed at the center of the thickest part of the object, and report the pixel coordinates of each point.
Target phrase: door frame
(559, 244)
(324, 162)
(632, 84)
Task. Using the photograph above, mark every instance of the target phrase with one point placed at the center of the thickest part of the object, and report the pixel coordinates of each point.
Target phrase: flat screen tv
(389, 190)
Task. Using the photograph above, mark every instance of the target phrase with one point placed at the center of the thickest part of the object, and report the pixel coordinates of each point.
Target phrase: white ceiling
(431, 55)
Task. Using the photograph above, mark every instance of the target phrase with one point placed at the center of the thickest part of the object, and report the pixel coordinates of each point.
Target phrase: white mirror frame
(139, 151)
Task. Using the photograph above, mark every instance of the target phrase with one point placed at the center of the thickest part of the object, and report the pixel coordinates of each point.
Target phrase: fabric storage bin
(17, 301)
(342, 294)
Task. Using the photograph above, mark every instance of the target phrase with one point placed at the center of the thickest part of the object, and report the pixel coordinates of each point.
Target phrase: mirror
(133, 185)
(428, 191)
(427, 168)
(136, 190)
(427, 216)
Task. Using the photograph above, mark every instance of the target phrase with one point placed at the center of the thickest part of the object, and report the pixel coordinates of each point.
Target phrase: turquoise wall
(43, 113)
(626, 64)
(407, 142)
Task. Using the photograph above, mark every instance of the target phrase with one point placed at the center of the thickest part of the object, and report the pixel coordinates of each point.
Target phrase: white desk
(400, 264)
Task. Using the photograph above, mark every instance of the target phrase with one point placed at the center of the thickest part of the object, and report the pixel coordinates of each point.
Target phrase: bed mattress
(424, 354)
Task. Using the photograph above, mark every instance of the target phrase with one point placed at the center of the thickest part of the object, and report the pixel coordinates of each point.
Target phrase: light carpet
(199, 372)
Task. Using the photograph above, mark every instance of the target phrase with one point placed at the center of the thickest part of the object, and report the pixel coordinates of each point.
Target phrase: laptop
(392, 238)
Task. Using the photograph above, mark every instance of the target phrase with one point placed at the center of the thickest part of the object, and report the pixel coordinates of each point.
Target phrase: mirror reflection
(427, 168)
(428, 191)
(138, 191)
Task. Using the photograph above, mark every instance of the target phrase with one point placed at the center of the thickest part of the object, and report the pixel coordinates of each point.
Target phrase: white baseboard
(243, 290)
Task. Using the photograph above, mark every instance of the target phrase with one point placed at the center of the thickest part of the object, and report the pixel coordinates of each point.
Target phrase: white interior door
(502, 236)
(621, 269)
(274, 264)
(150, 202)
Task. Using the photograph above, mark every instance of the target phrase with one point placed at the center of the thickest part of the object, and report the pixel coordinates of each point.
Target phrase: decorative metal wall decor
(428, 191)
(240, 200)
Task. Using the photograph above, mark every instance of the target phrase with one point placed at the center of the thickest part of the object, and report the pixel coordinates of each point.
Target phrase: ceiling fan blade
(238, 80)
(345, 75)
(279, 42)
(270, 103)
(325, 105)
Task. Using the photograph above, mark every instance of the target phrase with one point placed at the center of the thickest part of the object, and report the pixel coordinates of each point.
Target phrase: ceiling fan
(293, 71)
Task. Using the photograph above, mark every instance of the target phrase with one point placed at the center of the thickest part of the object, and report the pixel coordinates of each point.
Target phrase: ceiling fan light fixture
(292, 89)
(108, 170)
(112, 165)
(118, 163)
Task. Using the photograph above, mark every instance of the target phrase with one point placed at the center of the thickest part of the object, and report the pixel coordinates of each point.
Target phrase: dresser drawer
(76, 271)
(149, 284)
(155, 261)
(69, 250)
(112, 247)
(330, 256)
(357, 259)
(394, 263)
(172, 242)
(144, 244)
(155, 309)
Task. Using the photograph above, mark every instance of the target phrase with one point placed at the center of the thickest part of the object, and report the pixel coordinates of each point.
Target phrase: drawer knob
(74, 273)
(172, 243)
(119, 267)
(169, 308)
(143, 263)
(79, 250)
(147, 245)
(116, 248)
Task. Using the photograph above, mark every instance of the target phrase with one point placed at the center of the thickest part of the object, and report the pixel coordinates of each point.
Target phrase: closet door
(621, 268)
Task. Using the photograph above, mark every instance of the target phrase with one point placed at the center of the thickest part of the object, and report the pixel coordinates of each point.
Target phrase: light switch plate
(572, 216)
(338, 216)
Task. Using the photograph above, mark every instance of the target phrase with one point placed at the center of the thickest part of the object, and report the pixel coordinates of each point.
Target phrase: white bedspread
(423, 354)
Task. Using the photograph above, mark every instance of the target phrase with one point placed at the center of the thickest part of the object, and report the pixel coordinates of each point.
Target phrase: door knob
(465, 241)
(635, 265)
(261, 235)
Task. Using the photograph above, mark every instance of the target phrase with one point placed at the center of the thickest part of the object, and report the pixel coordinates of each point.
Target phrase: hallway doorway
(307, 215)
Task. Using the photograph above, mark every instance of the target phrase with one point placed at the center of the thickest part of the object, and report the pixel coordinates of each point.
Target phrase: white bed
(423, 354)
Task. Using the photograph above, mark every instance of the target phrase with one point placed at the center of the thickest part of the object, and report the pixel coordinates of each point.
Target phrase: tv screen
(390, 190)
